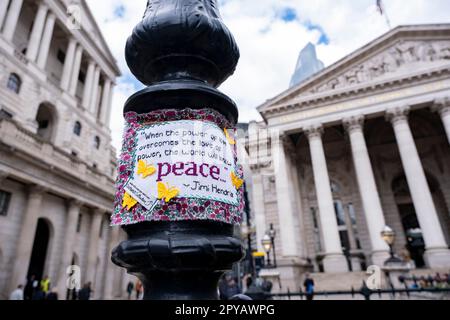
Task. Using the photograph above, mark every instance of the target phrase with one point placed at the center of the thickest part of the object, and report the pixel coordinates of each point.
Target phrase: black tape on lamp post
(180, 188)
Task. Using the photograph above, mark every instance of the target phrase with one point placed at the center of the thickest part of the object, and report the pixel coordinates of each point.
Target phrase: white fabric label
(187, 159)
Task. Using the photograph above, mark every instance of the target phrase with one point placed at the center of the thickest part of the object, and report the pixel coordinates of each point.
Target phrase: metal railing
(366, 293)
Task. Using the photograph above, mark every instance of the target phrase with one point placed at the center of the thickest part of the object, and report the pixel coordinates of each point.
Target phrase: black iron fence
(366, 293)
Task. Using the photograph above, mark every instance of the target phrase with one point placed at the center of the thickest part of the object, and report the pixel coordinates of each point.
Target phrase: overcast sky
(270, 35)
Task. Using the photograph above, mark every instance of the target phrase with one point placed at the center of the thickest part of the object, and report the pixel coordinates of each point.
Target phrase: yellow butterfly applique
(128, 201)
(229, 138)
(166, 193)
(237, 182)
(144, 169)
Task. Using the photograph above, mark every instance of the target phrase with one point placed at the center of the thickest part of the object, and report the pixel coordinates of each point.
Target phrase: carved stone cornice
(74, 203)
(343, 94)
(398, 114)
(35, 190)
(98, 212)
(442, 106)
(261, 166)
(354, 123)
(3, 175)
(314, 131)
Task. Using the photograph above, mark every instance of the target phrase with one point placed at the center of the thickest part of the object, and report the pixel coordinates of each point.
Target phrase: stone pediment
(403, 58)
(401, 53)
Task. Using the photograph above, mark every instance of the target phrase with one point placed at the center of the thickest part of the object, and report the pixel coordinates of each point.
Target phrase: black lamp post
(388, 236)
(182, 51)
(267, 245)
(272, 235)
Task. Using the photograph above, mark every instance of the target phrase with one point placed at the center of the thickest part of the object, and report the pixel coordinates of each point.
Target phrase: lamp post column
(180, 239)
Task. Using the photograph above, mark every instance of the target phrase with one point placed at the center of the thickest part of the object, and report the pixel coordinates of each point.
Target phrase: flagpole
(388, 21)
(383, 12)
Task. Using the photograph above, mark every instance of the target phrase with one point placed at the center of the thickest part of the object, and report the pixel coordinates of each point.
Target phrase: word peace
(187, 169)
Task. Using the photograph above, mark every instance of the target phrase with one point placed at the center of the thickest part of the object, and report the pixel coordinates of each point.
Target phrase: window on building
(317, 243)
(5, 198)
(61, 55)
(77, 128)
(14, 83)
(100, 233)
(82, 77)
(45, 121)
(340, 213)
(97, 142)
(80, 219)
(352, 214)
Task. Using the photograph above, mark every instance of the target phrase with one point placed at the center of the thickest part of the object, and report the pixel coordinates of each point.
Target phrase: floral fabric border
(178, 209)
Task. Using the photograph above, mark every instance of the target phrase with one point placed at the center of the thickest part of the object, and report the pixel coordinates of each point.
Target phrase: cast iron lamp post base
(178, 260)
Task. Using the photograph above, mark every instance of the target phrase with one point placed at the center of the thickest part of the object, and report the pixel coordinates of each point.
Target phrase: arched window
(14, 83)
(77, 128)
(45, 119)
(97, 142)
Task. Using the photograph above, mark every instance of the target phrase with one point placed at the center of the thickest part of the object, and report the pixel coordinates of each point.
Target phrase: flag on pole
(380, 7)
(382, 11)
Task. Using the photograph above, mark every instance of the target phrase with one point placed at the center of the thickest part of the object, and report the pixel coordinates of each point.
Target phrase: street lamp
(267, 245)
(272, 233)
(388, 236)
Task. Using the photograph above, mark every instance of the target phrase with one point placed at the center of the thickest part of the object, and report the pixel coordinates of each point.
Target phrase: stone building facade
(362, 144)
(56, 161)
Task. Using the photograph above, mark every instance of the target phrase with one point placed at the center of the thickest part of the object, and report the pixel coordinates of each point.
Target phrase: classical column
(367, 189)
(94, 95)
(334, 260)
(258, 207)
(76, 71)
(12, 18)
(443, 107)
(109, 266)
(97, 217)
(105, 101)
(68, 64)
(36, 32)
(26, 236)
(88, 85)
(109, 109)
(46, 41)
(283, 182)
(69, 240)
(437, 253)
(3, 9)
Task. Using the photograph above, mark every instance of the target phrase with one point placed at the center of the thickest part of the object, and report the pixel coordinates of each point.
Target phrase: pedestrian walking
(30, 287)
(130, 288)
(17, 294)
(52, 295)
(85, 292)
(139, 290)
(309, 287)
(45, 285)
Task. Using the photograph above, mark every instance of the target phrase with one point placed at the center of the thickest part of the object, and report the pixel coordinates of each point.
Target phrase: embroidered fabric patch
(178, 165)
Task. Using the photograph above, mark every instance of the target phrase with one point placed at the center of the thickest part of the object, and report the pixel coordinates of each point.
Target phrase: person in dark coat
(52, 295)
(38, 294)
(130, 288)
(29, 289)
(85, 292)
(309, 287)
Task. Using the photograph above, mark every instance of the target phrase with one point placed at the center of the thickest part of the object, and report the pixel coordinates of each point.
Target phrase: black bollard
(182, 51)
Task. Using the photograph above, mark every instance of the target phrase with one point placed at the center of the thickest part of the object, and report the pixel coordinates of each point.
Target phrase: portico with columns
(57, 165)
(371, 148)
